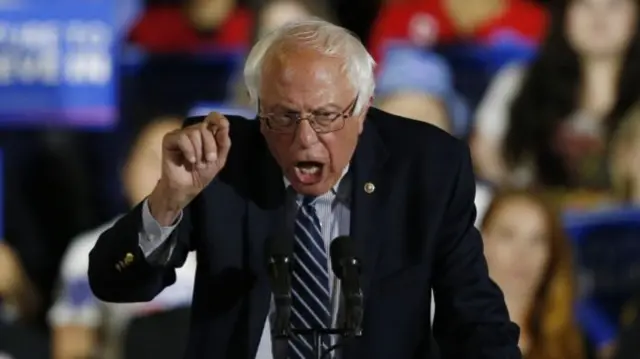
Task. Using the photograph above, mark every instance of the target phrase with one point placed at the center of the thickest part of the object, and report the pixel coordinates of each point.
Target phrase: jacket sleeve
(471, 318)
(120, 272)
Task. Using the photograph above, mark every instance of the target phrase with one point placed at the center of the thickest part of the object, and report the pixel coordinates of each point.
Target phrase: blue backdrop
(57, 61)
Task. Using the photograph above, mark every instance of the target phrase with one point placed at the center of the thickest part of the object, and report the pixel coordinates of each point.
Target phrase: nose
(306, 136)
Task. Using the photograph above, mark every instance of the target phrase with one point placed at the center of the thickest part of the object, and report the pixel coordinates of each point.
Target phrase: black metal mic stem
(317, 335)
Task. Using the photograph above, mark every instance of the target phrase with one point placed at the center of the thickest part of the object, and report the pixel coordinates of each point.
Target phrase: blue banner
(57, 62)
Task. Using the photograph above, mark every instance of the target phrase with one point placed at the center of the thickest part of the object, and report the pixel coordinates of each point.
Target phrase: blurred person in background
(418, 84)
(551, 126)
(77, 318)
(19, 299)
(270, 15)
(193, 25)
(624, 161)
(47, 202)
(477, 37)
(529, 257)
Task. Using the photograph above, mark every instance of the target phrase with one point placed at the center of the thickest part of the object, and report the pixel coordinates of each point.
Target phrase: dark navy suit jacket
(415, 231)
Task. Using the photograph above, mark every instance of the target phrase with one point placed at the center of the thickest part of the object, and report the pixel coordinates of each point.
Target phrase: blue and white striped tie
(310, 284)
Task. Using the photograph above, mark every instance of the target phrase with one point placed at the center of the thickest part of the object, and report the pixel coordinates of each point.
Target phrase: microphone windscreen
(341, 248)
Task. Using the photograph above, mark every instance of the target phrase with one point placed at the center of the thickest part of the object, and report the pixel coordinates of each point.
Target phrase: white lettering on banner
(5, 70)
(95, 33)
(88, 60)
(87, 68)
(37, 33)
(52, 53)
(39, 68)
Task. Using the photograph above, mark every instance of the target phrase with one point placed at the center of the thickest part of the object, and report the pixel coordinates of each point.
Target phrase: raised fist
(191, 158)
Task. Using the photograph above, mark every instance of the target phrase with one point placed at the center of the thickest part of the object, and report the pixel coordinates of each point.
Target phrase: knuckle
(209, 140)
(217, 118)
(194, 133)
(184, 137)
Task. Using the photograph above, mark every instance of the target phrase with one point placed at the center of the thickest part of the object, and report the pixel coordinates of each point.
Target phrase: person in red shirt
(433, 22)
(476, 37)
(197, 25)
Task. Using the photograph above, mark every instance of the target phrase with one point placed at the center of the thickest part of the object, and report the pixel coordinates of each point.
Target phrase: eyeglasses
(320, 121)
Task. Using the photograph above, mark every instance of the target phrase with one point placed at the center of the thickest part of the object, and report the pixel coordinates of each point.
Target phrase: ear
(363, 115)
(263, 127)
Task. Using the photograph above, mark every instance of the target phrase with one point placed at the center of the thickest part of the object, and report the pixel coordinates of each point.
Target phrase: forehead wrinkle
(313, 74)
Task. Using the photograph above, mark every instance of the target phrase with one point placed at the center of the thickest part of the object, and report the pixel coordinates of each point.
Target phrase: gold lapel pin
(369, 187)
(128, 259)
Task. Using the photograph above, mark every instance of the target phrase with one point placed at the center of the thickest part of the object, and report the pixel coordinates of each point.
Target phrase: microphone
(346, 267)
(279, 268)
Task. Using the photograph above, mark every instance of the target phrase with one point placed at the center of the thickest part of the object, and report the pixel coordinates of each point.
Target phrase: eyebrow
(326, 107)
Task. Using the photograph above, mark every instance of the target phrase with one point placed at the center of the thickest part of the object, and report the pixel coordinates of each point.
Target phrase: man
(323, 163)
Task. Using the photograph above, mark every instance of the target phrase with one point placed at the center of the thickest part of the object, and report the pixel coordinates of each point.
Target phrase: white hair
(326, 38)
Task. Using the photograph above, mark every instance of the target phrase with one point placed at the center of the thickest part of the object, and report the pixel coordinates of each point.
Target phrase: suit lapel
(265, 219)
(368, 225)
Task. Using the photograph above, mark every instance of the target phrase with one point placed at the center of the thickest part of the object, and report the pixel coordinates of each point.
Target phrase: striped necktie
(310, 284)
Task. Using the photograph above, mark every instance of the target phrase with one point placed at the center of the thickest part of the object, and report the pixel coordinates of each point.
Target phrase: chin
(315, 184)
(315, 190)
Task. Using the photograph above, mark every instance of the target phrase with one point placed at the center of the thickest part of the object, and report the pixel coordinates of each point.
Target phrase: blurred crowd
(546, 93)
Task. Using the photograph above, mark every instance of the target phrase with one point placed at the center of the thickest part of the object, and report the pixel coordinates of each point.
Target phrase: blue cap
(418, 70)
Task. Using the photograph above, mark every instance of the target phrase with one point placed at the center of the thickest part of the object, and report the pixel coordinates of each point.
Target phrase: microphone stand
(353, 304)
(352, 327)
(317, 334)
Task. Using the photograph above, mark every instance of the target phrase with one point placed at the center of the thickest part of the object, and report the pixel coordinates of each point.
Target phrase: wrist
(164, 205)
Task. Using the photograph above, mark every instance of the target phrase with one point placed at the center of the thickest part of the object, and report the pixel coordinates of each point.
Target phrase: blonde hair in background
(624, 149)
(315, 8)
(144, 161)
(550, 325)
(320, 9)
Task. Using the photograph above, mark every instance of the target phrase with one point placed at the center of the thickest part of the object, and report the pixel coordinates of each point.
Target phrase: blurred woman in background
(551, 126)
(530, 259)
(269, 15)
(625, 159)
(19, 299)
(192, 25)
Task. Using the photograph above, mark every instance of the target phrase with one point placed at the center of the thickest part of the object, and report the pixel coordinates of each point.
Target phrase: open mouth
(308, 172)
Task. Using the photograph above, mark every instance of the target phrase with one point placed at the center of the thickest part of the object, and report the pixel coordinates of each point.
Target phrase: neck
(518, 309)
(599, 85)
